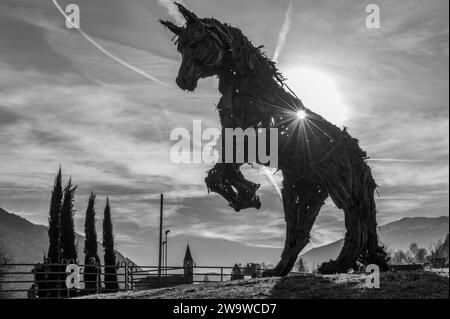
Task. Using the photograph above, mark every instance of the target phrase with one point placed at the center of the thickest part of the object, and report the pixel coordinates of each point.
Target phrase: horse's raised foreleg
(228, 181)
(302, 203)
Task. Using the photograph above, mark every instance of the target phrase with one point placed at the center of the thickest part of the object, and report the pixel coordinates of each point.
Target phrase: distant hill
(27, 242)
(424, 231)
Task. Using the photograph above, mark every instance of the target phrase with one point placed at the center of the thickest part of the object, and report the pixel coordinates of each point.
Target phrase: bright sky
(62, 101)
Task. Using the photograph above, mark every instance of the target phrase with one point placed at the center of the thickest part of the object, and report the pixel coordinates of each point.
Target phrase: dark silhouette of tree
(421, 255)
(67, 239)
(54, 219)
(43, 286)
(418, 255)
(439, 255)
(111, 284)
(236, 272)
(444, 248)
(399, 257)
(413, 248)
(91, 259)
(252, 269)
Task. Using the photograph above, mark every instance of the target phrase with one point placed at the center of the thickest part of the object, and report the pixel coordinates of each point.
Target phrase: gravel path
(404, 284)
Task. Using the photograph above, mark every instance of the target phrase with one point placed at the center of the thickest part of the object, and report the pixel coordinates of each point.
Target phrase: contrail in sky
(283, 32)
(269, 174)
(400, 160)
(280, 45)
(112, 56)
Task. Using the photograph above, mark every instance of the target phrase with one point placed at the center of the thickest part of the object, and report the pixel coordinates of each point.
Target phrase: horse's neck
(240, 90)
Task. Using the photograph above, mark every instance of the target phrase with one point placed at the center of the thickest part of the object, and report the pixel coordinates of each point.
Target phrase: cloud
(20, 39)
(110, 127)
(8, 117)
(105, 51)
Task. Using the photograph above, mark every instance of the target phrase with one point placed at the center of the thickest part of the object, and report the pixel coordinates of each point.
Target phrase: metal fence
(56, 281)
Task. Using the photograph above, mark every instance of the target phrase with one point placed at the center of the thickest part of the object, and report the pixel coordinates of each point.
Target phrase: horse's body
(317, 159)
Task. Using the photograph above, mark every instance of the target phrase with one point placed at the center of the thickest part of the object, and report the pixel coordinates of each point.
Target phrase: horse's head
(201, 46)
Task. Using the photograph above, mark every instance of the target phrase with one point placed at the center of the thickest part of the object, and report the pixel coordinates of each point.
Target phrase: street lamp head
(167, 231)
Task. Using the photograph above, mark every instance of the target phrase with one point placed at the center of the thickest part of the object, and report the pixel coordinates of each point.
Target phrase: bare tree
(421, 255)
(437, 257)
(399, 257)
(414, 248)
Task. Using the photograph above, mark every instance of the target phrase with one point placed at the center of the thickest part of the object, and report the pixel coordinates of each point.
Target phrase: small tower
(188, 264)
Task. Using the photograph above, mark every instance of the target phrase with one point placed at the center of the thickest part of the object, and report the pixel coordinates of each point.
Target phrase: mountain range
(424, 231)
(26, 242)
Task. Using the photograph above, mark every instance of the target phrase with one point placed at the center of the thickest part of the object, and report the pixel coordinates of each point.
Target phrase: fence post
(35, 292)
(221, 273)
(98, 278)
(131, 274)
(126, 276)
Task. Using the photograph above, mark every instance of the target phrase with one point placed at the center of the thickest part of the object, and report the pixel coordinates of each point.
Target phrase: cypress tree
(53, 219)
(67, 239)
(111, 283)
(91, 259)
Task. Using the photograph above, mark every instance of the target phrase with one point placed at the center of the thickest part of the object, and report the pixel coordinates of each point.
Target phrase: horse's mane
(246, 57)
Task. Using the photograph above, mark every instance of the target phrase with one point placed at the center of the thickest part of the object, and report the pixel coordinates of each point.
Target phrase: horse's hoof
(331, 267)
(256, 203)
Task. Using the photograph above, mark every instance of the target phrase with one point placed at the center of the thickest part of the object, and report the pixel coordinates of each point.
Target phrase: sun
(301, 115)
(318, 92)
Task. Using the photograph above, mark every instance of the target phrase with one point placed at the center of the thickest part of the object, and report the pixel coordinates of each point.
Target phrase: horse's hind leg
(373, 252)
(354, 242)
(361, 240)
(302, 203)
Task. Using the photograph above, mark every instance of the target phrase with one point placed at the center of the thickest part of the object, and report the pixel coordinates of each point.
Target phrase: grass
(393, 285)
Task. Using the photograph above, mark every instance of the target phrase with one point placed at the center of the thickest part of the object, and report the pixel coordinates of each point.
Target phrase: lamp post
(165, 255)
(160, 235)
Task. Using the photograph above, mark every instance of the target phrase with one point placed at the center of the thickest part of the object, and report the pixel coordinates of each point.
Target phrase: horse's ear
(172, 27)
(188, 15)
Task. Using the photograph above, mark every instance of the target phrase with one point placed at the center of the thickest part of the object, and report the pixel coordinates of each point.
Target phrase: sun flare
(318, 92)
(301, 115)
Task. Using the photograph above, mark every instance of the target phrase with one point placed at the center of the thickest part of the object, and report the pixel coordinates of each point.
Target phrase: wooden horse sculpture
(317, 159)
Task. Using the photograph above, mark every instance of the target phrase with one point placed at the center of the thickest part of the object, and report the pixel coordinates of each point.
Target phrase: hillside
(424, 231)
(393, 285)
(27, 242)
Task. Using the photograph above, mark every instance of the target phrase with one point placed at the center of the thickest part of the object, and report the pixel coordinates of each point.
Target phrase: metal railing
(46, 281)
